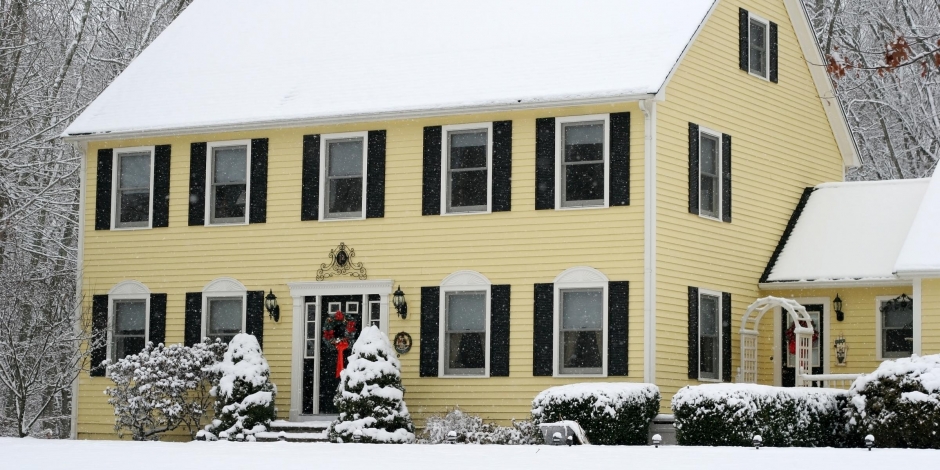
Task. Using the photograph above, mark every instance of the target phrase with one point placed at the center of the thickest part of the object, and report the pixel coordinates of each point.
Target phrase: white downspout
(82, 148)
(649, 240)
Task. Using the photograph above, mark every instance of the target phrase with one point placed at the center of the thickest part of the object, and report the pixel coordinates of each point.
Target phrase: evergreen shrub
(244, 393)
(609, 413)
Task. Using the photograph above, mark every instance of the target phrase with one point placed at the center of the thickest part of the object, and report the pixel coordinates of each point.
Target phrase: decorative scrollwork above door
(341, 264)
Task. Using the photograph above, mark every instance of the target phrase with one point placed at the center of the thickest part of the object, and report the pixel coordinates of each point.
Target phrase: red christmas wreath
(791, 335)
(341, 333)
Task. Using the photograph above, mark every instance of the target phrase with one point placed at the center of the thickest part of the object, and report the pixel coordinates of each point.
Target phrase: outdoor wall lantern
(837, 304)
(398, 300)
(270, 303)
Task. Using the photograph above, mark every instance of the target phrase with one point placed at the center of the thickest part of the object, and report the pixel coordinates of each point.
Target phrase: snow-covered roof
(850, 231)
(920, 254)
(246, 62)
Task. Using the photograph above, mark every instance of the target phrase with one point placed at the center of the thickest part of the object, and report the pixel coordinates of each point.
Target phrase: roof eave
(351, 118)
(912, 274)
(843, 283)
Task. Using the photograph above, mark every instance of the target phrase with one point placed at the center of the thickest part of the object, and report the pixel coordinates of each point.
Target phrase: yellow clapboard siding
(930, 316)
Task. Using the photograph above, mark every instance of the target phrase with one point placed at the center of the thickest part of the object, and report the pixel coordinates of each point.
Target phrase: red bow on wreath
(791, 335)
(341, 333)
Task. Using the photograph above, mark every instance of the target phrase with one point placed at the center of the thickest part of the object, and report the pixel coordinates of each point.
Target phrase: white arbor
(802, 329)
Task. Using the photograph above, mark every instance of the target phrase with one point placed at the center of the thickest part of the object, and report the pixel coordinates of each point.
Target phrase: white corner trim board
(649, 239)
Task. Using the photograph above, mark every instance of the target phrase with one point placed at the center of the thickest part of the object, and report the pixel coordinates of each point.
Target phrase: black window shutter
(310, 186)
(430, 324)
(543, 331)
(103, 190)
(743, 28)
(502, 166)
(618, 308)
(193, 332)
(544, 164)
(254, 315)
(499, 330)
(693, 168)
(726, 365)
(258, 210)
(157, 319)
(773, 52)
(431, 196)
(375, 193)
(161, 186)
(620, 159)
(197, 183)
(693, 332)
(725, 177)
(99, 334)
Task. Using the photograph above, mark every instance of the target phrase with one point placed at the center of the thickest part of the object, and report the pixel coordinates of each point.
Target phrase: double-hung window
(229, 176)
(129, 327)
(709, 334)
(343, 173)
(758, 46)
(710, 174)
(226, 317)
(467, 168)
(133, 184)
(465, 333)
(581, 331)
(582, 176)
(896, 326)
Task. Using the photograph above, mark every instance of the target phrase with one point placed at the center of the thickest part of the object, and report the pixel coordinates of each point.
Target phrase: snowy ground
(22, 454)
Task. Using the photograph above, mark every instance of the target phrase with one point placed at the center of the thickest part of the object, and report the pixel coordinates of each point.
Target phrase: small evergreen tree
(244, 394)
(370, 397)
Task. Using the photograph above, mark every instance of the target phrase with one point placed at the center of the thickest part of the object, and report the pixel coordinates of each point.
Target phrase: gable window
(129, 332)
(133, 180)
(758, 46)
(581, 331)
(228, 182)
(710, 175)
(467, 161)
(583, 155)
(896, 326)
(709, 334)
(344, 176)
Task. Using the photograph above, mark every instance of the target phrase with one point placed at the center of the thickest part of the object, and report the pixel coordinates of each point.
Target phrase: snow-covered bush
(162, 388)
(471, 429)
(899, 404)
(370, 396)
(731, 414)
(244, 393)
(610, 413)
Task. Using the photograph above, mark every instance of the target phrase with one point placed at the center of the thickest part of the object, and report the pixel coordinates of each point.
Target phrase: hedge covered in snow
(471, 429)
(899, 404)
(610, 413)
(730, 415)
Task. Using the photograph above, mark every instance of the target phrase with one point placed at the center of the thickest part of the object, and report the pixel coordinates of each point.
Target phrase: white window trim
(580, 277)
(126, 290)
(721, 205)
(878, 331)
(463, 281)
(316, 351)
(324, 139)
(766, 23)
(220, 288)
(115, 175)
(710, 293)
(445, 165)
(209, 171)
(559, 153)
(378, 303)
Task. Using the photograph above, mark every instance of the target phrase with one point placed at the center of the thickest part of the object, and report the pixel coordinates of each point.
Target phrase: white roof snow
(850, 231)
(226, 63)
(920, 253)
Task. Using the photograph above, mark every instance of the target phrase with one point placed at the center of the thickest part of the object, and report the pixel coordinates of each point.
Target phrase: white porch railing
(842, 381)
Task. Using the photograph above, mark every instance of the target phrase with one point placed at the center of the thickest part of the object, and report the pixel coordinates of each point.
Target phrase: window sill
(712, 218)
(711, 381)
(481, 376)
(341, 219)
(576, 208)
(484, 211)
(130, 229)
(225, 224)
(575, 376)
(766, 79)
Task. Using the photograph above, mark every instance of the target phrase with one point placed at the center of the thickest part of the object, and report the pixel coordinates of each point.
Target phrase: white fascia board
(846, 283)
(352, 118)
(925, 274)
(827, 93)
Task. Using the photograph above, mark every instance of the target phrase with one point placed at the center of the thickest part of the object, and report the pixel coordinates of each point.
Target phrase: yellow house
(519, 196)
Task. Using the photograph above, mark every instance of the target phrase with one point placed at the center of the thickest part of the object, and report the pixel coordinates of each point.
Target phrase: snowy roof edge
(362, 117)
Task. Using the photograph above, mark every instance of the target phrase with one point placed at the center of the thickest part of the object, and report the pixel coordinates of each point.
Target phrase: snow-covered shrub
(610, 413)
(370, 396)
(162, 388)
(899, 404)
(731, 414)
(244, 393)
(471, 429)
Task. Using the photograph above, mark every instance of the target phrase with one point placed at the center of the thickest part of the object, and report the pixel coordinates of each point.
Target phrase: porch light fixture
(398, 300)
(270, 303)
(837, 304)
